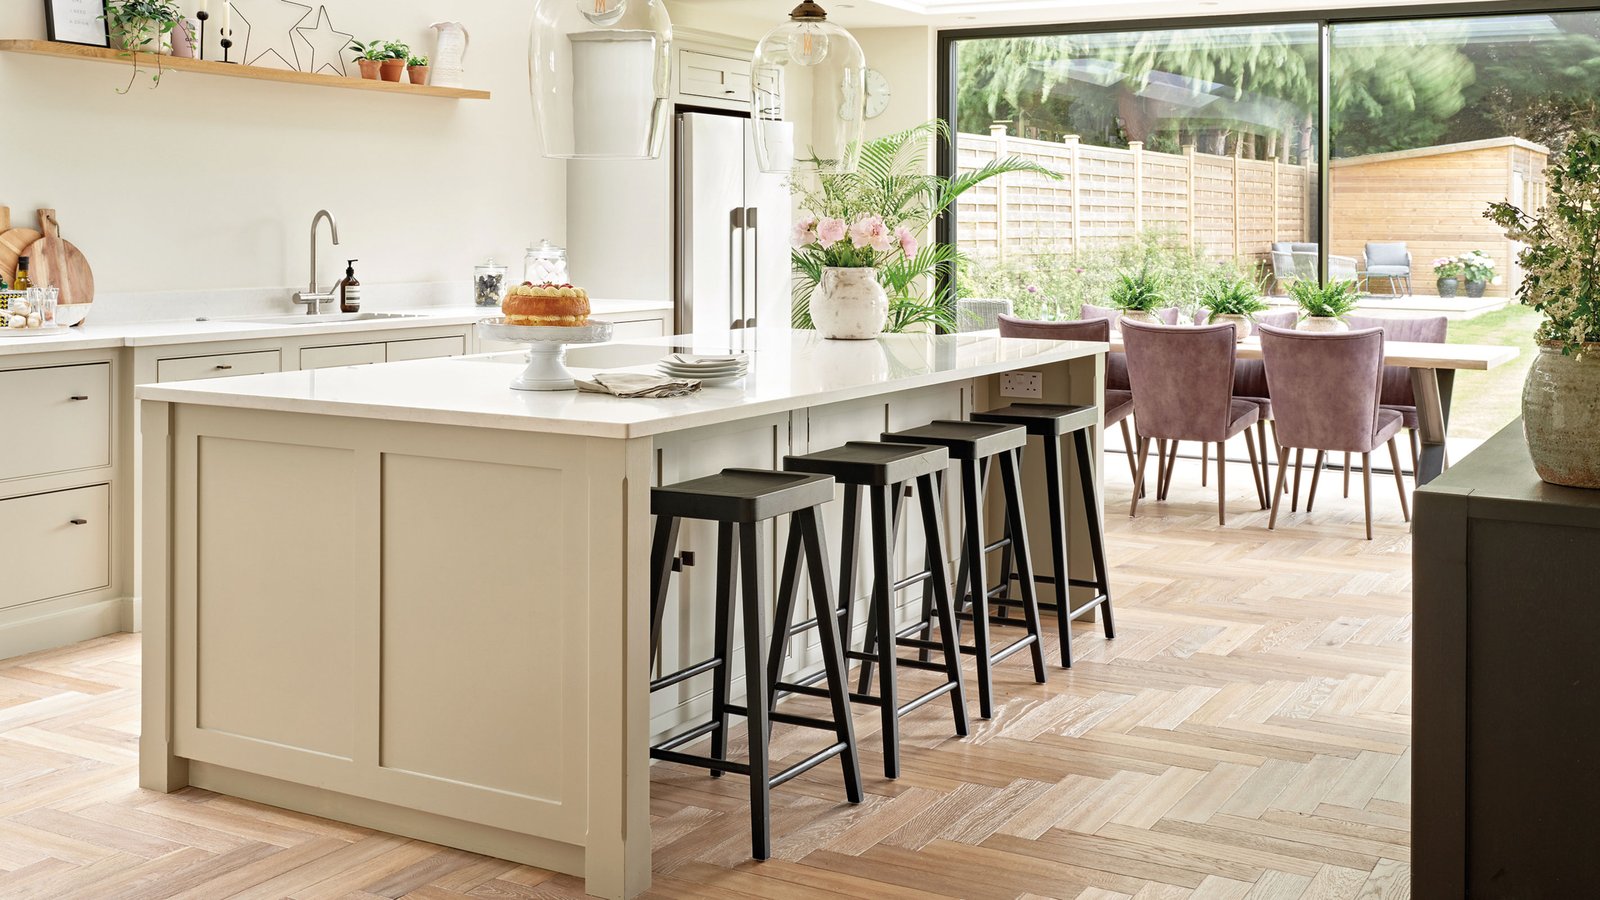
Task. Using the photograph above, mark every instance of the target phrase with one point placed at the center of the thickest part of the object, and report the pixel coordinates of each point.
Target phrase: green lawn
(1485, 401)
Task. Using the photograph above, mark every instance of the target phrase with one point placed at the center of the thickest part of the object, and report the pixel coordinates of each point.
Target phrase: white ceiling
(979, 13)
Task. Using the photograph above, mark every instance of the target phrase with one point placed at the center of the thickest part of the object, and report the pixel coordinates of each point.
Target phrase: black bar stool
(746, 497)
(1051, 423)
(974, 445)
(885, 471)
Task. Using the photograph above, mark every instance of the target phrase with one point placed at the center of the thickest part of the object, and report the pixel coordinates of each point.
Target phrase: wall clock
(877, 97)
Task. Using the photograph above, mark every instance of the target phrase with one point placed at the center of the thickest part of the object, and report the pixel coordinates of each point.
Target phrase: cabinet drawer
(57, 420)
(721, 77)
(192, 368)
(345, 355)
(63, 540)
(427, 348)
(637, 328)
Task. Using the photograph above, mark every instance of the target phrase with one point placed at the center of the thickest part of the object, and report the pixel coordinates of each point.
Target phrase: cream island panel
(430, 615)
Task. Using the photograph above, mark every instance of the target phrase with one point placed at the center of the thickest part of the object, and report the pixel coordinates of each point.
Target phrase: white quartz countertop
(788, 370)
(91, 336)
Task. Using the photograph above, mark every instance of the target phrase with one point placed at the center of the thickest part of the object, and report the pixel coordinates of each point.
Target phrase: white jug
(449, 54)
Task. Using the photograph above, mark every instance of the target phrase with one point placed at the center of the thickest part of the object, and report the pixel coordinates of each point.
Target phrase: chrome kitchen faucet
(315, 297)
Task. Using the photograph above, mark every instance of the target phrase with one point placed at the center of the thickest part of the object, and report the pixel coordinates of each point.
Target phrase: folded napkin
(632, 384)
(691, 360)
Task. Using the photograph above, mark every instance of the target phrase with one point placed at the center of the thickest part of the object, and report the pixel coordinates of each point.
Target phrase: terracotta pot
(418, 74)
(369, 69)
(1241, 325)
(1321, 324)
(1561, 416)
(392, 69)
(849, 304)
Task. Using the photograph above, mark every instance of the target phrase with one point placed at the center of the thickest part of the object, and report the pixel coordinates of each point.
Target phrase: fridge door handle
(752, 224)
(736, 220)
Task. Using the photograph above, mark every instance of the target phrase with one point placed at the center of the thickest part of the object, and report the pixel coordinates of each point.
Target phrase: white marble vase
(849, 304)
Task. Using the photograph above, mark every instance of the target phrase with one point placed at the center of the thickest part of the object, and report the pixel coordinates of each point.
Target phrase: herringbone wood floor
(1245, 736)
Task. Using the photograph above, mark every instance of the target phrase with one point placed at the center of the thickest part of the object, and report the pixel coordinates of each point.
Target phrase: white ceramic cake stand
(547, 350)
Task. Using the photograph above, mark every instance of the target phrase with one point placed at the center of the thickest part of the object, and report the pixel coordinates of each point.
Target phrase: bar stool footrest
(684, 674)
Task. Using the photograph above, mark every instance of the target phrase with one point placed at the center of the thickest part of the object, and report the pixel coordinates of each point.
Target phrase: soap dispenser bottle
(350, 290)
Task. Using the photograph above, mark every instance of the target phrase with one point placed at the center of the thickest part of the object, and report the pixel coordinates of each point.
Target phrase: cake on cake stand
(547, 350)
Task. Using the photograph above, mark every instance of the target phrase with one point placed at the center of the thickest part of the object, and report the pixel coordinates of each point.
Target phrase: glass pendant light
(598, 71)
(808, 103)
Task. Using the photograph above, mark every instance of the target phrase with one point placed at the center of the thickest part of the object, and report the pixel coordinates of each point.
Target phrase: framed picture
(77, 22)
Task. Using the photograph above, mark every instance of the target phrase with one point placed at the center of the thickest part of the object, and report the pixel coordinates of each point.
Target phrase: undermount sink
(327, 318)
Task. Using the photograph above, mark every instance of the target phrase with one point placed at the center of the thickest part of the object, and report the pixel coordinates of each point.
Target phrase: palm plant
(891, 184)
(1140, 291)
(1334, 300)
(1232, 297)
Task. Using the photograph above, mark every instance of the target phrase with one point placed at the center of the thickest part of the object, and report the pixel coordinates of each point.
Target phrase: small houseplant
(395, 54)
(1561, 279)
(142, 26)
(860, 268)
(369, 57)
(1447, 269)
(1138, 295)
(1324, 305)
(1477, 267)
(417, 69)
(1235, 300)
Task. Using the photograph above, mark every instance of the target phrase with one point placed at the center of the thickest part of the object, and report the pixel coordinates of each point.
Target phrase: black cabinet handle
(77, 397)
(80, 521)
(224, 366)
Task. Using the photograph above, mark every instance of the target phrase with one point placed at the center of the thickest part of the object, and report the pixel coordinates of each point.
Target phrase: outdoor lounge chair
(1297, 259)
(1389, 260)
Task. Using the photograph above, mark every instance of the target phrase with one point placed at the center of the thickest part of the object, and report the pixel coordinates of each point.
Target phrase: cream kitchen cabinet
(59, 543)
(219, 365)
(388, 351)
(59, 418)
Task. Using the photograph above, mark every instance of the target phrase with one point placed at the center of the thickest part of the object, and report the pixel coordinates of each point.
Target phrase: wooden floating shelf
(234, 70)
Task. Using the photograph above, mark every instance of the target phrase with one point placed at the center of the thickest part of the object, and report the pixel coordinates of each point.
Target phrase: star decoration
(271, 40)
(326, 45)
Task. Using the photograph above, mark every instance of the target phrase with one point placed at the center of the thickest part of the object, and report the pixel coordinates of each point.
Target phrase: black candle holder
(202, 15)
(227, 44)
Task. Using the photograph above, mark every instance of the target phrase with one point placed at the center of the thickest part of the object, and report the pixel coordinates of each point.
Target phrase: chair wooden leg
(1172, 465)
(1255, 468)
(1277, 492)
(1316, 472)
(1366, 488)
(1294, 501)
(1347, 474)
(1205, 461)
(1222, 486)
(1266, 457)
(1133, 464)
(1399, 479)
(1138, 479)
(1161, 468)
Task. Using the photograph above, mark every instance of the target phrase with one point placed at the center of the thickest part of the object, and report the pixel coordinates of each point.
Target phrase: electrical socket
(1028, 385)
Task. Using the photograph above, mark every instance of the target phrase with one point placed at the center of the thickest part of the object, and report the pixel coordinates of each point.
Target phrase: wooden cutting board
(55, 261)
(14, 242)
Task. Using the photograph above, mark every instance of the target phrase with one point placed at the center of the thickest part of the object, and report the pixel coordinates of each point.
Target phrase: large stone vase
(1322, 324)
(1561, 416)
(849, 304)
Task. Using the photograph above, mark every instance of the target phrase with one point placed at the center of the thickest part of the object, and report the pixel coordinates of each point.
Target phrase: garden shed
(1433, 198)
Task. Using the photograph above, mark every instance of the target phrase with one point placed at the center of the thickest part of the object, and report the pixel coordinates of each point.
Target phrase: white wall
(906, 56)
(210, 183)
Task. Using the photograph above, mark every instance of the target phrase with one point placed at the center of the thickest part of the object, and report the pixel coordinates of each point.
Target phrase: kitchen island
(408, 597)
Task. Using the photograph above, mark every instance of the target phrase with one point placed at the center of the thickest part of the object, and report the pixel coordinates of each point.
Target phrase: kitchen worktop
(93, 336)
(788, 370)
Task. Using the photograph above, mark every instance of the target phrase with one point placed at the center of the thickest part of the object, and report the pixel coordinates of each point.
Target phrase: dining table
(1433, 374)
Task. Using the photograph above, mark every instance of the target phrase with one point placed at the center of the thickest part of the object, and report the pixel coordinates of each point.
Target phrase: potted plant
(1561, 278)
(142, 26)
(395, 54)
(1138, 295)
(1447, 269)
(859, 267)
(369, 57)
(1325, 306)
(1477, 267)
(417, 69)
(1235, 300)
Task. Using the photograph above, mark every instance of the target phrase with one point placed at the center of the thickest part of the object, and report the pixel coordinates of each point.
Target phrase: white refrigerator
(733, 222)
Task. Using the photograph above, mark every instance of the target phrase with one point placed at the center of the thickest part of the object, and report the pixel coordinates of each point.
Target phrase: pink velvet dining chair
(1326, 392)
(1250, 383)
(1397, 394)
(1117, 374)
(1118, 402)
(1182, 379)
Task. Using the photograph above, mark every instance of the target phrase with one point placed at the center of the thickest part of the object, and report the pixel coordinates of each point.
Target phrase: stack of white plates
(723, 367)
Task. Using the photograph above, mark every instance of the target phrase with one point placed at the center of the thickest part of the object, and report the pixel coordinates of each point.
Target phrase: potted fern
(1561, 265)
(1138, 295)
(860, 268)
(1324, 305)
(1235, 301)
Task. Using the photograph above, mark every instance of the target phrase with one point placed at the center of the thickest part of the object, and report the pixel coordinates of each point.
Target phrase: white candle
(202, 5)
(227, 18)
